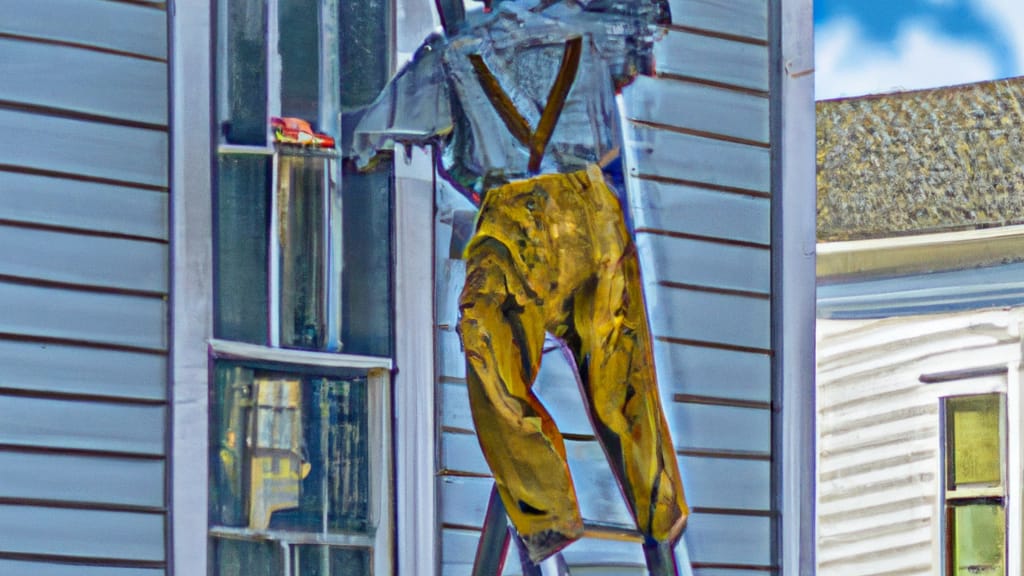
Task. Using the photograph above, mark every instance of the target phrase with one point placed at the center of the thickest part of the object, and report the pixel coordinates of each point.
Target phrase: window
(300, 378)
(294, 478)
(975, 485)
(303, 241)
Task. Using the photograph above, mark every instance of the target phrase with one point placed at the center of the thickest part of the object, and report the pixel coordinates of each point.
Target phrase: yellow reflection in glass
(973, 423)
(979, 540)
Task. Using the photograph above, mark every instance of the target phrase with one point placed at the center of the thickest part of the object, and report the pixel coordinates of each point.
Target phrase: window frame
(378, 371)
(328, 356)
(951, 498)
(330, 117)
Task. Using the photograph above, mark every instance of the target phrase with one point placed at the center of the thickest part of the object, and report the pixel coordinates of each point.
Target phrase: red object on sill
(297, 131)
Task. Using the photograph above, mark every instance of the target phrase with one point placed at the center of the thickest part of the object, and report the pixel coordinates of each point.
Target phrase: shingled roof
(919, 162)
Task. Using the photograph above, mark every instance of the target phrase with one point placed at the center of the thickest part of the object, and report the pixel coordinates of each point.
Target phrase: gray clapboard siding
(728, 539)
(726, 483)
(713, 372)
(719, 428)
(698, 107)
(454, 274)
(77, 147)
(585, 555)
(701, 212)
(727, 572)
(71, 258)
(451, 362)
(747, 18)
(463, 500)
(77, 425)
(37, 367)
(29, 568)
(117, 26)
(715, 60)
(74, 204)
(660, 153)
(85, 81)
(82, 479)
(85, 316)
(703, 263)
(710, 317)
(82, 533)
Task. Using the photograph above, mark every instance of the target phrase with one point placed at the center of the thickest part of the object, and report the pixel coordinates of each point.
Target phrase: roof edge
(920, 253)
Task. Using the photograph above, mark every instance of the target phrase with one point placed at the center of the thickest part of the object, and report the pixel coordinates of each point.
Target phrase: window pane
(326, 561)
(973, 444)
(229, 433)
(979, 540)
(245, 558)
(301, 222)
(299, 46)
(364, 50)
(366, 290)
(289, 451)
(350, 561)
(243, 71)
(240, 257)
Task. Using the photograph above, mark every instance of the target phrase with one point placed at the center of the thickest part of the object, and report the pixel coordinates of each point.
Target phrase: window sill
(227, 349)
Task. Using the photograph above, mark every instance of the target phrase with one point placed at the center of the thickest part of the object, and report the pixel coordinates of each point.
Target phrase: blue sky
(873, 46)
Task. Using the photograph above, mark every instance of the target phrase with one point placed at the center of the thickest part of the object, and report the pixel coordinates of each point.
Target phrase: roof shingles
(919, 162)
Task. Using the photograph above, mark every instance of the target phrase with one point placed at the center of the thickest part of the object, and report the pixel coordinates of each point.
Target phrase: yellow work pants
(552, 254)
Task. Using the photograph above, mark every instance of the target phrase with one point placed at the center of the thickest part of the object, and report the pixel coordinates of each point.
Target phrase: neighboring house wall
(83, 285)
(880, 465)
(700, 184)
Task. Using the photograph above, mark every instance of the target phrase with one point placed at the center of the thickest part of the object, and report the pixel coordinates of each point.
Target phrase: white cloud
(1007, 16)
(847, 63)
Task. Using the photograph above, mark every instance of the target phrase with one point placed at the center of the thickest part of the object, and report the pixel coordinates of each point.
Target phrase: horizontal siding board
(726, 483)
(601, 501)
(727, 539)
(713, 59)
(713, 372)
(709, 427)
(90, 149)
(709, 317)
(458, 546)
(30, 568)
(698, 107)
(455, 406)
(82, 479)
(93, 317)
(702, 263)
(118, 26)
(65, 203)
(701, 212)
(665, 154)
(464, 500)
(747, 18)
(451, 361)
(462, 453)
(71, 258)
(728, 572)
(82, 533)
(56, 368)
(77, 425)
(90, 82)
(448, 290)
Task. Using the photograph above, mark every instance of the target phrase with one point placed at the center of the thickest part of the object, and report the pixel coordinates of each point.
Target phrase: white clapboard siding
(879, 431)
(83, 281)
